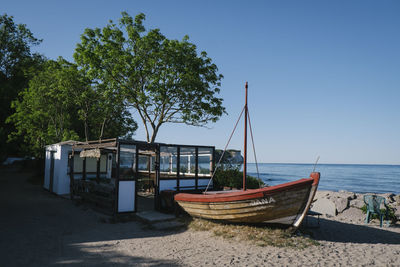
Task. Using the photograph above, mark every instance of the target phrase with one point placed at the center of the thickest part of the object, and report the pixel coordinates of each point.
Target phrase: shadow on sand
(42, 229)
(336, 231)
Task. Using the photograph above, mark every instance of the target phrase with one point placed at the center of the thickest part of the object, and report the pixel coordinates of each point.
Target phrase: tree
(16, 41)
(164, 80)
(61, 104)
(17, 66)
(102, 110)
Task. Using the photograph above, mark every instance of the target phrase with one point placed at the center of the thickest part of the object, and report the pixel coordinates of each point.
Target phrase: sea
(334, 177)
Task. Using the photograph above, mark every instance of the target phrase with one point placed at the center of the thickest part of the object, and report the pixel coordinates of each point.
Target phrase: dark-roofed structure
(122, 176)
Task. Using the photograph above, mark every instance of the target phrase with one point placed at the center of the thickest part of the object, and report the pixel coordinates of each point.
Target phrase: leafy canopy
(15, 43)
(164, 80)
(61, 104)
(44, 115)
(17, 66)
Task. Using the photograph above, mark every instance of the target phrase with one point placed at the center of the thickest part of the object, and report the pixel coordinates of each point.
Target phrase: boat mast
(245, 142)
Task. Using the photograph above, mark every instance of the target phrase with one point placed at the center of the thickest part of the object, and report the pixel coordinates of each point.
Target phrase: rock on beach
(332, 204)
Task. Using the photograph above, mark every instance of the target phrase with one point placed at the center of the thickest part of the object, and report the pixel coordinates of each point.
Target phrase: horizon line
(387, 164)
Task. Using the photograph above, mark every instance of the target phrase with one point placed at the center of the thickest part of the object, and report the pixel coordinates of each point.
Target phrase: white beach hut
(57, 176)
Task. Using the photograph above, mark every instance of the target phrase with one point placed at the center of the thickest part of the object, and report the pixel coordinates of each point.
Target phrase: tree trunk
(86, 130)
(102, 129)
(155, 132)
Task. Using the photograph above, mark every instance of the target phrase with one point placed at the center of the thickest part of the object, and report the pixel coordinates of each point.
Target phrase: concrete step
(153, 216)
(159, 221)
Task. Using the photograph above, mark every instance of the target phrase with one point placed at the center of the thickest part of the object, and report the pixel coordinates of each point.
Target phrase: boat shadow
(336, 231)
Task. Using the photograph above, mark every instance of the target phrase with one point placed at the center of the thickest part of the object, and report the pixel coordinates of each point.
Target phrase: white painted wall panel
(47, 174)
(63, 177)
(126, 196)
(46, 183)
(57, 170)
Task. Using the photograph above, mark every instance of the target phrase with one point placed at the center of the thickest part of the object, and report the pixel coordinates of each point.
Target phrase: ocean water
(334, 177)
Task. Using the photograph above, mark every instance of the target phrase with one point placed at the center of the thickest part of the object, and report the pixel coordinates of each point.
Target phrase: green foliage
(17, 66)
(45, 113)
(62, 104)
(16, 41)
(231, 159)
(234, 178)
(165, 81)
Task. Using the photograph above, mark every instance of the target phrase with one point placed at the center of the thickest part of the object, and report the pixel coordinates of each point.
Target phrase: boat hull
(282, 204)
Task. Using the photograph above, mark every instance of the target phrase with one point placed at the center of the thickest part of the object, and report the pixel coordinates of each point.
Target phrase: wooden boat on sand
(286, 203)
(282, 204)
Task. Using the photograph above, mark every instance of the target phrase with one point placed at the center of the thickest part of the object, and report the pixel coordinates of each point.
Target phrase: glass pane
(205, 161)
(168, 161)
(78, 163)
(152, 163)
(143, 163)
(103, 163)
(147, 173)
(188, 161)
(91, 165)
(127, 164)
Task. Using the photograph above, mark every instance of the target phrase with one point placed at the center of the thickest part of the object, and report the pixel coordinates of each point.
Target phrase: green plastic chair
(374, 203)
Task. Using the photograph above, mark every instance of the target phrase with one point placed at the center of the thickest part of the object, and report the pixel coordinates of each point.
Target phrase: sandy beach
(41, 229)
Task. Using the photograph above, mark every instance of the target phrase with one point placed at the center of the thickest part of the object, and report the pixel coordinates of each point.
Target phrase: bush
(234, 178)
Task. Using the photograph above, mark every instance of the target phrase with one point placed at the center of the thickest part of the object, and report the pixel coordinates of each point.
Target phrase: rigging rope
(252, 141)
(315, 164)
(226, 146)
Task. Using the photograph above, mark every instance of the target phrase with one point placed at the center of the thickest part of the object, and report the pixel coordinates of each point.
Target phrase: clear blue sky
(324, 76)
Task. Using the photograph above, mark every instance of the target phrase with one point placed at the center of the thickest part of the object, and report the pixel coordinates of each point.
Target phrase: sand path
(41, 229)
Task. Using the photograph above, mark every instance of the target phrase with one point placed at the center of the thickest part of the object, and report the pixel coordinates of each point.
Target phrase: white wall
(61, 180)
(61, 168)
(126, 196)
(46, 183)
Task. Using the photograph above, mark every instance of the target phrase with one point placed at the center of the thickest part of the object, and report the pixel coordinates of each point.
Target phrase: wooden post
(136, 174)
(212, 162)
(149, 179)
(196, 168)
(71, 176)
(84, 169)
(51, 183)
(178, 168)
(245, 142)
(98, 170)
(117, 159)
(157, 174)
